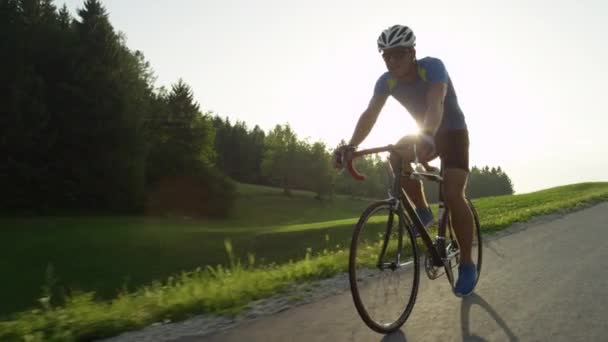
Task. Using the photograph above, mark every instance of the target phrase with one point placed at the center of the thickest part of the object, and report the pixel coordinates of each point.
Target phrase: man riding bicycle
(425, 89)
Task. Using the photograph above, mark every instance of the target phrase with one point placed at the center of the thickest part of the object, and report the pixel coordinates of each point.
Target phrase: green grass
(221, 290)
(99, 254)
(106, 254)
(500, 212)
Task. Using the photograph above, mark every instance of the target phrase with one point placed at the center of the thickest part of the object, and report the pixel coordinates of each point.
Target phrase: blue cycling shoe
(426, 216)
(467, 275)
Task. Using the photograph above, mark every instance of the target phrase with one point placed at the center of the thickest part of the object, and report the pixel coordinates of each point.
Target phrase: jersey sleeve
(436, 71)
(381, 88)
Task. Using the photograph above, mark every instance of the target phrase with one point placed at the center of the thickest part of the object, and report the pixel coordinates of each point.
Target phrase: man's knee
(397, 162)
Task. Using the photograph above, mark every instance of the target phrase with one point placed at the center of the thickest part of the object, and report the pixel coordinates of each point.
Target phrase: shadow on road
(465, 311)
(397, 336)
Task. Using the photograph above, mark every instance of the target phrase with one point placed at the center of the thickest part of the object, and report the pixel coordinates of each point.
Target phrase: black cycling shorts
(453, 149)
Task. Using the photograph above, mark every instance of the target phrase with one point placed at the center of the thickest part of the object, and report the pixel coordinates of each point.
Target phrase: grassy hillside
(102, 254)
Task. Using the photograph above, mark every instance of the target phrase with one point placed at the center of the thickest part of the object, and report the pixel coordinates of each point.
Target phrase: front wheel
(384, 270)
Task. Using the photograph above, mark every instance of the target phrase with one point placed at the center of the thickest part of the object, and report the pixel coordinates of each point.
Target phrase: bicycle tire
(361, 309)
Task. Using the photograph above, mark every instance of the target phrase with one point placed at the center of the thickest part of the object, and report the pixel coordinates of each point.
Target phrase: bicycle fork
(389, 227)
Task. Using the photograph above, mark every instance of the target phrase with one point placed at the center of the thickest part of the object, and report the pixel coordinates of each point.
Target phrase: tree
(320, 170)
(486, 181)
(64, 18)
(239, 150)
(74, 98)
(183, 137)
(256, 145)
(108, 106)
(280, 149)
(29, 39)
(81, 127)
(182, 177)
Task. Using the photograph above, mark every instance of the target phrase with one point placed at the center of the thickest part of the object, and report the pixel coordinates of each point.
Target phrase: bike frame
(403, 207)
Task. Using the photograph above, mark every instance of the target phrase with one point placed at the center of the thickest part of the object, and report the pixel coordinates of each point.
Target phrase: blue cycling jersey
(413, 95)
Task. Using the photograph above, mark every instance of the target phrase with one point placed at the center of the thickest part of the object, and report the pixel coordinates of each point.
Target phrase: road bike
(387, 243)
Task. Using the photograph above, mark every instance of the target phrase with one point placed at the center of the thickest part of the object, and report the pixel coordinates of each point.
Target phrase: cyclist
(425, 89)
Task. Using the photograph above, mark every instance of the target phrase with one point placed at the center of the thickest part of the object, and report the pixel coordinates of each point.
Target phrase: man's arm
(367, 120)
(434, 110)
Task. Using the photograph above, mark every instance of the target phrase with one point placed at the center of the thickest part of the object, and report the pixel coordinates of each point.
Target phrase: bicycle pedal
(433, 272)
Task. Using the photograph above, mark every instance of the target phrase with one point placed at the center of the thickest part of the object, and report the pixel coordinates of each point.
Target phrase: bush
(206, 193)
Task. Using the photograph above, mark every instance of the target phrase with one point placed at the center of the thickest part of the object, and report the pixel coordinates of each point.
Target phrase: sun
(393, 123)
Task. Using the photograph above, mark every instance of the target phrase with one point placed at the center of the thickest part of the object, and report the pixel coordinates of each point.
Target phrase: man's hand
(341, 155)
(425, 148)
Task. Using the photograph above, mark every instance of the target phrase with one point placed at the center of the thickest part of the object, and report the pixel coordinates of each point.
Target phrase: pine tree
(64, 18)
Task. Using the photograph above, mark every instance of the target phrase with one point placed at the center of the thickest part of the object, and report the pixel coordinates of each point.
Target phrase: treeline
(277, 158)
(281, 158)
(83, 129)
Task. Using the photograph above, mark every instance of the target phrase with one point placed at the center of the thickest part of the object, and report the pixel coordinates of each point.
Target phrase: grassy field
(106, 255)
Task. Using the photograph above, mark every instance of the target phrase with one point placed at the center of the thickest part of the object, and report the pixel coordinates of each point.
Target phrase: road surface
(541, 281)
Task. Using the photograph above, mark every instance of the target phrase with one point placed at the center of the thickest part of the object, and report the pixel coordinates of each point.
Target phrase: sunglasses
(398, 55)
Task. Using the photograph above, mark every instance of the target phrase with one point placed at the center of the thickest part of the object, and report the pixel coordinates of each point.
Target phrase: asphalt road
(542, 281)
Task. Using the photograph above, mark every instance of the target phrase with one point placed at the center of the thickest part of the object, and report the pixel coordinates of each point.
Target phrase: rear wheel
(383, 268)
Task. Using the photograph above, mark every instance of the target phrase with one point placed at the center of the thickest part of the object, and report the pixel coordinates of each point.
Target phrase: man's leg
(415, 191)
(413, 188)
(462, 218)
(453, 148)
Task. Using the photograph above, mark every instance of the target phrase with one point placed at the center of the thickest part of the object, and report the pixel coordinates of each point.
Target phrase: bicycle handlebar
(351, 168)
(388, 148)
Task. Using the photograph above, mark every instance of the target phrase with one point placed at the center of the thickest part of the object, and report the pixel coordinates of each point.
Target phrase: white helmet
(396, 36)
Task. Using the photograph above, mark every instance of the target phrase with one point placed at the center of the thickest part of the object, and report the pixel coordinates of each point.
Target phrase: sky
(529, 74)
